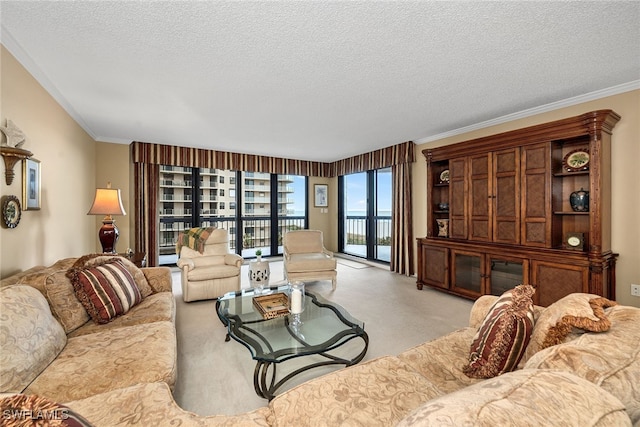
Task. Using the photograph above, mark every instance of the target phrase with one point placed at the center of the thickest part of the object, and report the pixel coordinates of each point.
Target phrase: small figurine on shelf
(443, 227)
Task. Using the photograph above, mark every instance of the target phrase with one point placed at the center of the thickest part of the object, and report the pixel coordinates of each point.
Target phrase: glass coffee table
(319, 341)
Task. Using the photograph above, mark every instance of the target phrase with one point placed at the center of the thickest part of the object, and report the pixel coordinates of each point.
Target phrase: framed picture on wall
(30, 184)
(321, 195)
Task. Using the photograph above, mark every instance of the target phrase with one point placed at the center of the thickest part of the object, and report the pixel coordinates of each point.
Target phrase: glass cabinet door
(505, 274)
(467, 273)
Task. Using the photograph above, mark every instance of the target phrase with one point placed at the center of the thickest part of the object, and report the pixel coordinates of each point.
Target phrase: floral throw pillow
(503, 336)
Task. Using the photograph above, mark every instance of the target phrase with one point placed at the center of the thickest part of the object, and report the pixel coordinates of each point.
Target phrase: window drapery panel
(146, 192)
(402, 220)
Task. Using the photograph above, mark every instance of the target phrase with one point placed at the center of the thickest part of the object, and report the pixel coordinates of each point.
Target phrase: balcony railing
(180, 212)
(175, 183)
(256, 234)
(175, 197)
(357, 235)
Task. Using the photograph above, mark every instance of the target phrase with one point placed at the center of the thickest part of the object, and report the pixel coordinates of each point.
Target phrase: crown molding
(603, 93)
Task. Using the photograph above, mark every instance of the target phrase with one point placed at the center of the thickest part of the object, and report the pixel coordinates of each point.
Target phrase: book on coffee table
(272, 305)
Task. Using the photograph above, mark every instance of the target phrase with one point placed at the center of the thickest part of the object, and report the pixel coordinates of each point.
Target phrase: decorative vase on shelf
(579, 201)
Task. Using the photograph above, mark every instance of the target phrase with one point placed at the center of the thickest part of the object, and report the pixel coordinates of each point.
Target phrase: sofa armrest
(480, 309)
(159, 278)
(233, 259)
(327, 252)
(186, 264)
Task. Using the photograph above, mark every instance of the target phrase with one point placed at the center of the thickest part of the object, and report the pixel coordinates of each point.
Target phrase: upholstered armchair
(209, 269)
(306, 258)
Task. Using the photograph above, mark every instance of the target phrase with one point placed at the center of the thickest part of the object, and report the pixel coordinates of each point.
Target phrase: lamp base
(108, 236)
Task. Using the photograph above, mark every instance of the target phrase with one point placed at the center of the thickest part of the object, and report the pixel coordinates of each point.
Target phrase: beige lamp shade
(107, 202)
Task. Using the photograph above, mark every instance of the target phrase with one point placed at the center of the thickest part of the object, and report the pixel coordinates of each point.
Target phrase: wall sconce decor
(10, 149)
(107, 202)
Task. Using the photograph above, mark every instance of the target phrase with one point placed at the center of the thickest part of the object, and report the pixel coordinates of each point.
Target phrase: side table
(259, 273)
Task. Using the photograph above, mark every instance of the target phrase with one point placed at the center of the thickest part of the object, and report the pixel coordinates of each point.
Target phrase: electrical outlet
(635, 290)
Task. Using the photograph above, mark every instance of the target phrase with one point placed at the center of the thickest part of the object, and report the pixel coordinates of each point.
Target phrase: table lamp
(107, 202)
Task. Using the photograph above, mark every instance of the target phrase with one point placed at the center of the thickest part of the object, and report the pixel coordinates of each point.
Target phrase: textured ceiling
(315, 80)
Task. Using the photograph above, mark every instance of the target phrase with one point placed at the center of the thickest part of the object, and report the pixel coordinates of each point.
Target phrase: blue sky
(356, 192)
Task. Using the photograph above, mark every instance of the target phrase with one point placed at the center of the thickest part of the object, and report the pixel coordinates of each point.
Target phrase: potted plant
(259, 255)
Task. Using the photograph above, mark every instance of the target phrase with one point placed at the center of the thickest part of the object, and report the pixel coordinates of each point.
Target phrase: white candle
(296, 301)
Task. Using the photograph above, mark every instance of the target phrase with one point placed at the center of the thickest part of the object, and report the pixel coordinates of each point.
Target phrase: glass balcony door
(365, 209)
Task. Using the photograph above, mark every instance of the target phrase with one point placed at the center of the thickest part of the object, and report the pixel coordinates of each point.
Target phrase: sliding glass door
(365, 214)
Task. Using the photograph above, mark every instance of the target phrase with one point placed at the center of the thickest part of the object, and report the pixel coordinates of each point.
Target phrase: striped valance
(378, 159)
(170, 155)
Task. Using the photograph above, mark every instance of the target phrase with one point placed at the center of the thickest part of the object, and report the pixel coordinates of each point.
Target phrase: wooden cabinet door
(458, 198)
(433, 268)
(556, 280)
(506, 196)
(467, 273)
(504, 273)
(537, 227)
(480, 221)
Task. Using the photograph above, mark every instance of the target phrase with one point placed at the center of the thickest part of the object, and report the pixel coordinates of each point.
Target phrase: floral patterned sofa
(578, 366)
(50, 346)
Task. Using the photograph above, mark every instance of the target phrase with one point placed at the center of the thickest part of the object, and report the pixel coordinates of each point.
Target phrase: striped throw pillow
(504, 334)
(106, 291)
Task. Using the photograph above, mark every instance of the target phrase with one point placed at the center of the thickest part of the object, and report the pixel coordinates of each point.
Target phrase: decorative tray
(272, 305)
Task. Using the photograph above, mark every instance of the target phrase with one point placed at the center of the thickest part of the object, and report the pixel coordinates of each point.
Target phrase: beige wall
(112, 165)
(73, 165)
(325, 219)
(625, 179)
(67, 154)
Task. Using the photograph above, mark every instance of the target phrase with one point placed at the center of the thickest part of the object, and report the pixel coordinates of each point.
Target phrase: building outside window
(271, 205)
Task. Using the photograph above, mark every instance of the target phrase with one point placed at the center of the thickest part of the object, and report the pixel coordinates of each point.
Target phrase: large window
(365, 214)
(198, 197)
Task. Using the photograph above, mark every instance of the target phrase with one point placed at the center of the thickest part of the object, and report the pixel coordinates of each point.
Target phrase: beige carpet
(216, 377)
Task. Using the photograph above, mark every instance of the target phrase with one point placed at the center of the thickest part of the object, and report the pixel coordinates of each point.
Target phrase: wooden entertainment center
(526, 206)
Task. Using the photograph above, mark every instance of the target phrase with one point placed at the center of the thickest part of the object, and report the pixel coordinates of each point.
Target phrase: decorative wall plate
(11, 211)
(444, 176)
(577, 160)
